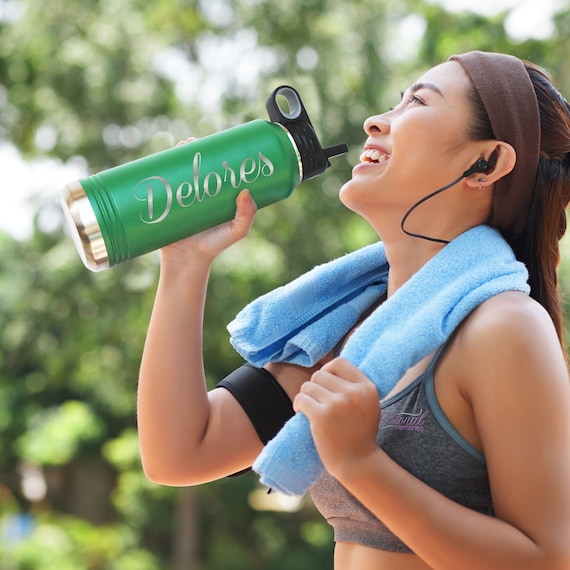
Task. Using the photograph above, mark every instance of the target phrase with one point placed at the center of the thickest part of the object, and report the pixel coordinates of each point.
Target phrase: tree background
(90, 85)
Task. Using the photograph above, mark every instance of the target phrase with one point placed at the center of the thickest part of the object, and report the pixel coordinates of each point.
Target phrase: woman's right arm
(187, 435)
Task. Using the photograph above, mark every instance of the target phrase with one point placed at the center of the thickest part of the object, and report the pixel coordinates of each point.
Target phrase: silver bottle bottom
(84, 227)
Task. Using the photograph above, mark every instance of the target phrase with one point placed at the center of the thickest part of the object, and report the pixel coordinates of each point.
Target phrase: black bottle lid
(314, 157)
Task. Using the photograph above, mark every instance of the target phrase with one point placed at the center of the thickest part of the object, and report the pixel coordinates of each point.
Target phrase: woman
(494, 398)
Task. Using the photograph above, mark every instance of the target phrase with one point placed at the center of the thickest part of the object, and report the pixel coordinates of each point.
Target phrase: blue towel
(301, 322)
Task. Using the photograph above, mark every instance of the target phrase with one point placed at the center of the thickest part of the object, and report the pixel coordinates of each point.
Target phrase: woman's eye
(414, 99)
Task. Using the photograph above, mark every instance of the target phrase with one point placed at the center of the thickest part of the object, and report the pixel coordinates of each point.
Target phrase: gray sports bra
(416, 434)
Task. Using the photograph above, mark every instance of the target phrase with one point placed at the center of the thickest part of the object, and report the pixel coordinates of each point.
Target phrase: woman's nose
(376, 124)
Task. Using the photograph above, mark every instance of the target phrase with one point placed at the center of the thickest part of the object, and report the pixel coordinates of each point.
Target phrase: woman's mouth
(373, 156)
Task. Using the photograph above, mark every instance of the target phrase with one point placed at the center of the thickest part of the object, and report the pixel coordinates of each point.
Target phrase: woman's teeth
(373, 155)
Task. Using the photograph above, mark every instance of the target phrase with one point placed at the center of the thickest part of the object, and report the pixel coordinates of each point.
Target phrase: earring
(481, 180)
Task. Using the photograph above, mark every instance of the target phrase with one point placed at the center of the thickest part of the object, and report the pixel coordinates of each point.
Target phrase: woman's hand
(211, 242)
(343, 407)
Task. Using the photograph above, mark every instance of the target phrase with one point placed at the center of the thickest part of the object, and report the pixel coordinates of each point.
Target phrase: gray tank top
(416, 434)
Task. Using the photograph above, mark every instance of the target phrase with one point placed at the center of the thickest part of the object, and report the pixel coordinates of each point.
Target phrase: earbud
(482, 165)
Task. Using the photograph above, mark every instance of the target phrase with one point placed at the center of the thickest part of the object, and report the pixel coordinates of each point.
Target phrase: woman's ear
(505, 159)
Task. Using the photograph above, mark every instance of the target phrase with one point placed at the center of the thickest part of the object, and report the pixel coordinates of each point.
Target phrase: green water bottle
(135, 208)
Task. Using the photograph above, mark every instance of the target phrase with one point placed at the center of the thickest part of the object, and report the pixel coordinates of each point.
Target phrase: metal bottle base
(84, 227)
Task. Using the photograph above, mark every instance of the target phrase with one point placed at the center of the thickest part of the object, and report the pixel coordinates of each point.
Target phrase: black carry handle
(314, 157)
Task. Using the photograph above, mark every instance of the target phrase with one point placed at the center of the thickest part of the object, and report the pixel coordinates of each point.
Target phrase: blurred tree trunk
(185, 536)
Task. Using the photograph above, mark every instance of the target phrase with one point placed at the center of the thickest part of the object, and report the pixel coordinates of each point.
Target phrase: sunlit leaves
(55, 435)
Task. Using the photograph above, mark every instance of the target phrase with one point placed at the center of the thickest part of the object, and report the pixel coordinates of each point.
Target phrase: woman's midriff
(356, 557)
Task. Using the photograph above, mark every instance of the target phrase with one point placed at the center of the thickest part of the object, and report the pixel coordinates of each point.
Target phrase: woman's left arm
(516, 381)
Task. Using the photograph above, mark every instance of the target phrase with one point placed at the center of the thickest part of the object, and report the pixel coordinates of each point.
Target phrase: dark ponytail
(538, 245)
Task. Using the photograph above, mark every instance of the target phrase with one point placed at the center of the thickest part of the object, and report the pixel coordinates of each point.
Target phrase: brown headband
(509, 98)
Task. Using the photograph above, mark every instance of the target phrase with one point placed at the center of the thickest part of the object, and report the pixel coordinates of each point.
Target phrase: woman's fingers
(188, 140)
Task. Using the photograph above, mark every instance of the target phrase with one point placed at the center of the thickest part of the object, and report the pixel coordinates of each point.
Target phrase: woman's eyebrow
(417, 86)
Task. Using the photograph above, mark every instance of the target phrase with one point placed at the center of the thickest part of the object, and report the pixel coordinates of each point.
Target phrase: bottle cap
(314, 158)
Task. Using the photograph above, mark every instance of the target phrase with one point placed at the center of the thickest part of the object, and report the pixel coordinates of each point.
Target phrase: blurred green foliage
(112, 81)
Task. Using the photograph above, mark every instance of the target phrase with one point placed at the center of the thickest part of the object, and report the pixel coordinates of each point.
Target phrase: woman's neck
(406, 257)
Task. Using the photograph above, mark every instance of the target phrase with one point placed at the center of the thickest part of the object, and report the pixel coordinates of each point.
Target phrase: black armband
(263, 399)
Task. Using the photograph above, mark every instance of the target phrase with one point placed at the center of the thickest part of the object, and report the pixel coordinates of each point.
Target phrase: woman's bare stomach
(349, 556)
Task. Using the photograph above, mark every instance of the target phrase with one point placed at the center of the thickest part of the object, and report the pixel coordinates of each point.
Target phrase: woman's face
(417, 147)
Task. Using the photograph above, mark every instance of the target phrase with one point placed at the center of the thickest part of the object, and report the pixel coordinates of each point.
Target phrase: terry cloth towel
(301, 322)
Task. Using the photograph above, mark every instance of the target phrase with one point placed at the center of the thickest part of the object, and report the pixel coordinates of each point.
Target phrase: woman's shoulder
(509, 336)
(508, 319)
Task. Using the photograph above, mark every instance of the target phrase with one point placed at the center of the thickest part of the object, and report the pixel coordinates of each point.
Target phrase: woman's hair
(538, 245)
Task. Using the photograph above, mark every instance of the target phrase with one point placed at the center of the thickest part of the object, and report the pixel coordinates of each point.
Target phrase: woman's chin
(344, 195)
(354, 196)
